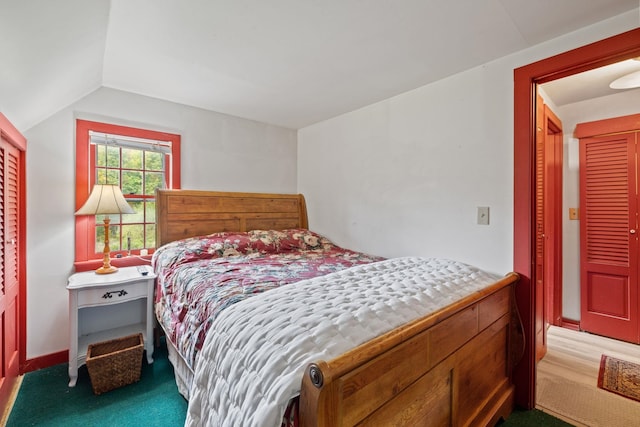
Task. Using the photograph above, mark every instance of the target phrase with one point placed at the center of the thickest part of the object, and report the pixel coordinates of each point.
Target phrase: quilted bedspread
(254, 357)
(199, 277)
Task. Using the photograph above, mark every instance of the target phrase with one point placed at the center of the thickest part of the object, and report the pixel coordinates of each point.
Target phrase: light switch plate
(483, 215)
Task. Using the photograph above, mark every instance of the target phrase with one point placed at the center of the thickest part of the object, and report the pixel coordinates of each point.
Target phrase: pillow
(274, 241)
(224, 244)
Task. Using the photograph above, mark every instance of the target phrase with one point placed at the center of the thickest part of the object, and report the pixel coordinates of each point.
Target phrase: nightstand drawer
(112, 294)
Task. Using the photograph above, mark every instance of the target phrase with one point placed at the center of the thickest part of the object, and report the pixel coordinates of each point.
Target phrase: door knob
(632, 231)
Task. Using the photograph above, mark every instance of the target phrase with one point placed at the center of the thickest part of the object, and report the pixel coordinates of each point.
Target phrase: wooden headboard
(187, 213)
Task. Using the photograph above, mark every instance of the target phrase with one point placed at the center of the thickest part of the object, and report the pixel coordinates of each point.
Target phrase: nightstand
(107, 306)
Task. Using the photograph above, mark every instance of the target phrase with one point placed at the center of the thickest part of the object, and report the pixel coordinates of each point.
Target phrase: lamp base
(106, 270)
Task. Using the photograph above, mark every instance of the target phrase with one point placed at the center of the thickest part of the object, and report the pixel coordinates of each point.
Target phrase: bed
(412, 363)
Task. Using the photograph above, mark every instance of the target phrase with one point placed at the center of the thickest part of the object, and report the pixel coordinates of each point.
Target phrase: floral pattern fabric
(199, 277)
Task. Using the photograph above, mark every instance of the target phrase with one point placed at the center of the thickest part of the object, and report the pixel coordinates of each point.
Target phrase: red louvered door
(9, 283)
(541, 181)
(609, 236)
(12, 256)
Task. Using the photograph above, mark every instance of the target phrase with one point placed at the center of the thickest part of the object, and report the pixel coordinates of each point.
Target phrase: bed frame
(451, 368)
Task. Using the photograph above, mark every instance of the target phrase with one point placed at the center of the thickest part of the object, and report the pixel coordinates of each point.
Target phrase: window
(139, 161)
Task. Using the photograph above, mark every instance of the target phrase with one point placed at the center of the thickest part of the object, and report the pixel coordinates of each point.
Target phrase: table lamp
(105, 199)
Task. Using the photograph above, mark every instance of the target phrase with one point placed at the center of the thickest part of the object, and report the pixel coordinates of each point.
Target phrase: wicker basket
(115, 363)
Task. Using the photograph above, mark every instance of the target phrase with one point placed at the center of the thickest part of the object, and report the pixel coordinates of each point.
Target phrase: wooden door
(541, 236)
(12, 257)
(9, 283)
(553, 195)
(548, 215)
(609, 236)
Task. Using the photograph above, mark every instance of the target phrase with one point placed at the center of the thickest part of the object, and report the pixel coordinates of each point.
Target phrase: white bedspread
(256, 352)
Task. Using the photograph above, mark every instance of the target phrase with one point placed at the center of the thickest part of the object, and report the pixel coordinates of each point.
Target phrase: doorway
(608, 51)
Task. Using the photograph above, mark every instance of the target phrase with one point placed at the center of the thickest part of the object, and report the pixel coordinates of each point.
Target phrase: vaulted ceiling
(286, 62)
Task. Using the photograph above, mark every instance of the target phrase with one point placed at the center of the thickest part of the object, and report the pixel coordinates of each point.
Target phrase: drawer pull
(120, 293)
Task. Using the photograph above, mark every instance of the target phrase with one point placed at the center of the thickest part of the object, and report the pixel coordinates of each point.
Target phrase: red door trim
(12, 134)
(607, 51)
(608, 126)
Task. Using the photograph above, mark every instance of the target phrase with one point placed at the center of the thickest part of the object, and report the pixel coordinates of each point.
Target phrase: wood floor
(567, 380)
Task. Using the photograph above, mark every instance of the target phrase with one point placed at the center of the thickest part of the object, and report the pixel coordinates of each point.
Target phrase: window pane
(108, 176)
(99, 238)
(131, 159)
(101, 176)
(133, 234)
(131, 182)
(100, 155)
(114, 238)
(113, 176)
(113, 157)
(115, 219)
(153, 180)
(150, 234)
(150, 211)
(137, 217)
(153, 161)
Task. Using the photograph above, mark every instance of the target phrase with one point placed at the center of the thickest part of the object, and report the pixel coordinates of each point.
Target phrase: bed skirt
(182, 372)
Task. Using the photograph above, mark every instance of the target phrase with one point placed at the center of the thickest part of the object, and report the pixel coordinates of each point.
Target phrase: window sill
(125, 261)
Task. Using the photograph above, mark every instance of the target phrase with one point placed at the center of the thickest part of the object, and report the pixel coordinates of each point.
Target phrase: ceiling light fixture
(628, 81)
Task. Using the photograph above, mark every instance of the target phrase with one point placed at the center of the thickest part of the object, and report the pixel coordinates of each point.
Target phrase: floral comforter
(199, 277)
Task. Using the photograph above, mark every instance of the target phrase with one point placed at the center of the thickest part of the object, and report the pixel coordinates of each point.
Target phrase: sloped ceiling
(51, 54)
(286, 62)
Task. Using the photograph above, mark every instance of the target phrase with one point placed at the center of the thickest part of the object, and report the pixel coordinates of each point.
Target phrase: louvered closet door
(609, 230)
(9, 181)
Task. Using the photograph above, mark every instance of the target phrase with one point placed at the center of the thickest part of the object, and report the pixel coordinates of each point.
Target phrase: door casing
(608, 51)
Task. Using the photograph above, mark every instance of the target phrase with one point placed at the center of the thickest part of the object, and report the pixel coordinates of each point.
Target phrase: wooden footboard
(451, 368)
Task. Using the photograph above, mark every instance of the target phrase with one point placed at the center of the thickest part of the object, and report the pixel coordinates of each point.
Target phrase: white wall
(405, 175)
(621, 104)
(219, 152)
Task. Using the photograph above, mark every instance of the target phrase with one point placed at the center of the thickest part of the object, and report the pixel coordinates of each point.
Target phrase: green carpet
(533, 418)
(45, 399)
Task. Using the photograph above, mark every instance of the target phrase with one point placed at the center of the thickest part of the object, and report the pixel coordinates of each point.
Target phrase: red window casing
(85, 256)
